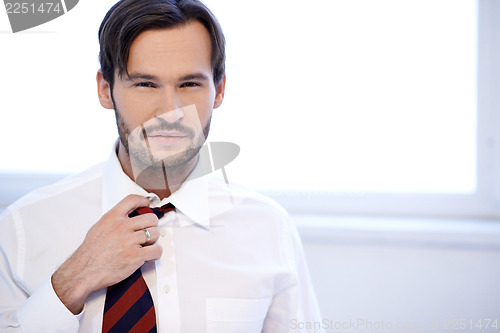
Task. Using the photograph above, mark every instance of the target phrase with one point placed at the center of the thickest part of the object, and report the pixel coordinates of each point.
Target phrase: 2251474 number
(27, 8)
(470, 324)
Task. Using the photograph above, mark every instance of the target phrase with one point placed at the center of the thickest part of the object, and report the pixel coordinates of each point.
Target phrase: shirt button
(166, 289)
(163, 232)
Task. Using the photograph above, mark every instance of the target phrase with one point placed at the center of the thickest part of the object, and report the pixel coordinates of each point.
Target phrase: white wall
(408, 274)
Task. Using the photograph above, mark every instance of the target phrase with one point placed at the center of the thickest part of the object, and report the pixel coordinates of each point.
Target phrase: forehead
(172, 51)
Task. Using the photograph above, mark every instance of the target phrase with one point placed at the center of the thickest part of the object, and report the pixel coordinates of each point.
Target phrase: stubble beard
(138, 149)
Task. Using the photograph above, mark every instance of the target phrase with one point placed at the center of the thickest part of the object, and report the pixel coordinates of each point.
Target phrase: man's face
(164, 106)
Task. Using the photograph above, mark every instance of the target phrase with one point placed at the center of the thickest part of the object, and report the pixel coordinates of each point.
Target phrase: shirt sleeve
(294, 307)
(20, 310)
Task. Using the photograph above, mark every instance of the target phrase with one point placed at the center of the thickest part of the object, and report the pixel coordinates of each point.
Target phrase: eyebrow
(194, 76)
(149, 77)
(141, 76)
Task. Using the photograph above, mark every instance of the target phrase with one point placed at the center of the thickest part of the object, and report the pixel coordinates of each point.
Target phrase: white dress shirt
(232, 261)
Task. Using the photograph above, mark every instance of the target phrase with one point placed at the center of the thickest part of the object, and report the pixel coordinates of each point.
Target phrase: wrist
(71, 286)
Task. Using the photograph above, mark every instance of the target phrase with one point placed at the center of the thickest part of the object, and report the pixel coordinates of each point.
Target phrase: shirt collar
(191, 199)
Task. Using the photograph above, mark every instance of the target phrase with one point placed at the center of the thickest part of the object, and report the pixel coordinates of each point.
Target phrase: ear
(104, 91)
(220, 89)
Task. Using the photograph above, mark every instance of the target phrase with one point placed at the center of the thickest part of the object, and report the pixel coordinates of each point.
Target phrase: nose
(172, 116)
(170, 107)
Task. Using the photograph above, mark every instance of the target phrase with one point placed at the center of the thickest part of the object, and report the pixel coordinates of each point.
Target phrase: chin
(177, 159)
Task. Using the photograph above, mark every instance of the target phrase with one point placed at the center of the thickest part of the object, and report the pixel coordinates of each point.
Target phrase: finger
(152, 252)
(143, 221)
(130, 203)
(144, 240)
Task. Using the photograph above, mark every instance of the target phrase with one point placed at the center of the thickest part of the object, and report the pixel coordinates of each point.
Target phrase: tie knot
(158, 211)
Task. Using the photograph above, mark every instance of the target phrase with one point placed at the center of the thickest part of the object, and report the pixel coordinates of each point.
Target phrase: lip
(166, 134)
(166, 139)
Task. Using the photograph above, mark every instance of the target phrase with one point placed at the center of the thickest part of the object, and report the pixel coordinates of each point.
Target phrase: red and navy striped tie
(129, 306)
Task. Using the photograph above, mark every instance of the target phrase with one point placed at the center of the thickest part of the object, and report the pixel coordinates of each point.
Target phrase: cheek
(132, 112)
(203, 113)
(205, 107)
(195, 116)
(200, 108)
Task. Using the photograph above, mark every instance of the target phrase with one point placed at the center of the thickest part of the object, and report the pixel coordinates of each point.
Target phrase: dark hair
(128, 18)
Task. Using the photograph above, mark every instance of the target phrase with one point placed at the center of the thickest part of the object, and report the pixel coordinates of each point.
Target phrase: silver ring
(148, 235)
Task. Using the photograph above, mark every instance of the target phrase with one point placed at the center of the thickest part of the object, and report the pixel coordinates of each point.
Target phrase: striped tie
(129, 306)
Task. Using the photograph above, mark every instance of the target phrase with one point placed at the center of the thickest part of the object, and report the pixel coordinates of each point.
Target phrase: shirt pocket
(238, 315)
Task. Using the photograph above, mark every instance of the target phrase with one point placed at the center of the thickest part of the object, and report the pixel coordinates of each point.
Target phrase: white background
(360, 96)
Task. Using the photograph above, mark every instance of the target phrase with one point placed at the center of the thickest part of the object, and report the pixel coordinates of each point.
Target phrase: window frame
(485, 203)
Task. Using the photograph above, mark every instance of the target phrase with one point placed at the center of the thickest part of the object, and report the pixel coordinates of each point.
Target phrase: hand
(112, 250)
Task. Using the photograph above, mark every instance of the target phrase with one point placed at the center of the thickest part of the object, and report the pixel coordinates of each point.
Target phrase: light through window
(346, 95)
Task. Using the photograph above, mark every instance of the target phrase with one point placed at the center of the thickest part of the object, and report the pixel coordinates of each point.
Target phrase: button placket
(166, 282)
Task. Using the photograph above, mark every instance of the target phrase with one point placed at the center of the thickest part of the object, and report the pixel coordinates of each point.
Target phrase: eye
(190, 84)
(145, 84)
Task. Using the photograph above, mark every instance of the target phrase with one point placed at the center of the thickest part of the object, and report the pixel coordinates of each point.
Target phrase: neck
(160, 181)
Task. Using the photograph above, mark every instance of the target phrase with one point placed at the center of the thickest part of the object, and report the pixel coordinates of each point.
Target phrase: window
(346, 106)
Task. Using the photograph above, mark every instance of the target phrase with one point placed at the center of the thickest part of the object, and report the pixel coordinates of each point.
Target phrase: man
(222, 259)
